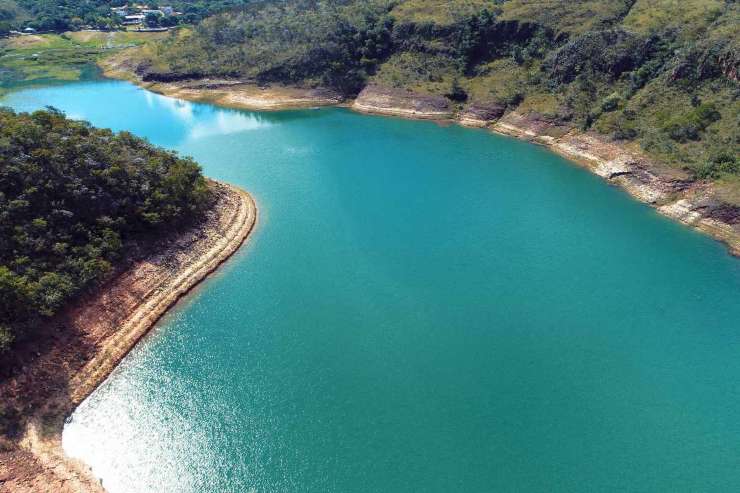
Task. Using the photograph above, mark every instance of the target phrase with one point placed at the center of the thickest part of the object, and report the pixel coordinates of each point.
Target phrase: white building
(134, 19)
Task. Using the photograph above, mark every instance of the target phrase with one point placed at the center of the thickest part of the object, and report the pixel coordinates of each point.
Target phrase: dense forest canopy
(659, 72)
(72, 197)
(69, 15)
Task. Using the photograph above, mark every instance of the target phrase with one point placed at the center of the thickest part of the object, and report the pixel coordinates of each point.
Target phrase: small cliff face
(398, 102)
(481, 114)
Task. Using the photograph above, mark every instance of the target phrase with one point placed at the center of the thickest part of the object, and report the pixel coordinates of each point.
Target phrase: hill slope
(661, 73)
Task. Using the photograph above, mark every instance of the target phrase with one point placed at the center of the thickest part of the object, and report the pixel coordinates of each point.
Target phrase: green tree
(72, 199)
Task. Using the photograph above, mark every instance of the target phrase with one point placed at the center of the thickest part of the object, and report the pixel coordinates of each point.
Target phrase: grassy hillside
(572, 17)
(661, 73)
(73, 200)
(692, 17)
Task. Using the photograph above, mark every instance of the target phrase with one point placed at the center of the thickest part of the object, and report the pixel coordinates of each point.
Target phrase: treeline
(72, 15)
(72, 199)
(336, 44)
(662, 74)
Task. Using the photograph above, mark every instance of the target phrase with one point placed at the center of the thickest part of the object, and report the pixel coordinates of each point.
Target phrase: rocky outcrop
(481, 114)
(168, 76)
(383, 100)
(699, 209)
(533, 126)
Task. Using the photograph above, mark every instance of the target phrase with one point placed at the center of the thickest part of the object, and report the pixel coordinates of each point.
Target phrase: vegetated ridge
(72, 15)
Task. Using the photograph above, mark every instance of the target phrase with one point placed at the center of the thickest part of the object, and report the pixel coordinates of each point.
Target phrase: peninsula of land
(87, 340)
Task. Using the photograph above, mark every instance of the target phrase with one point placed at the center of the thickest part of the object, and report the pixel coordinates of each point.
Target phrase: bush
(6, 338)
(688, 126)
(721, 163)
(610, 103)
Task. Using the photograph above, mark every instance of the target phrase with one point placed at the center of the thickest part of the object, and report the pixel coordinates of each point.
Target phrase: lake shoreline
(668, 190)
(691, 203)
(106, 326)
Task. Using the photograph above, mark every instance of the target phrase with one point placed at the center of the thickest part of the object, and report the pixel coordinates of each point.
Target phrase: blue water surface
(422, 308)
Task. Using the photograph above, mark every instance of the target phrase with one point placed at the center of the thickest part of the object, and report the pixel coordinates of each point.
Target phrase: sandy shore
(98, 333)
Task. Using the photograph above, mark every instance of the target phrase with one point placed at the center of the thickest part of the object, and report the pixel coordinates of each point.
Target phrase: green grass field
(65, 57)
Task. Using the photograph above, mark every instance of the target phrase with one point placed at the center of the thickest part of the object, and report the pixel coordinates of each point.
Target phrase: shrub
(721, 163)
(688, 126)
(611, 102)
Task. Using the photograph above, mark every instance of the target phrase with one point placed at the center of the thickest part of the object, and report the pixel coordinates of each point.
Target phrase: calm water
(421, 309)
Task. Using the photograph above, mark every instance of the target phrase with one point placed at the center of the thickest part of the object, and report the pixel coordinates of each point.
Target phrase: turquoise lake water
(421, 309)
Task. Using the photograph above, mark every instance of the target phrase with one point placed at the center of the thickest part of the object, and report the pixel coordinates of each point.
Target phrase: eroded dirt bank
(91, 338)
(245, 96)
